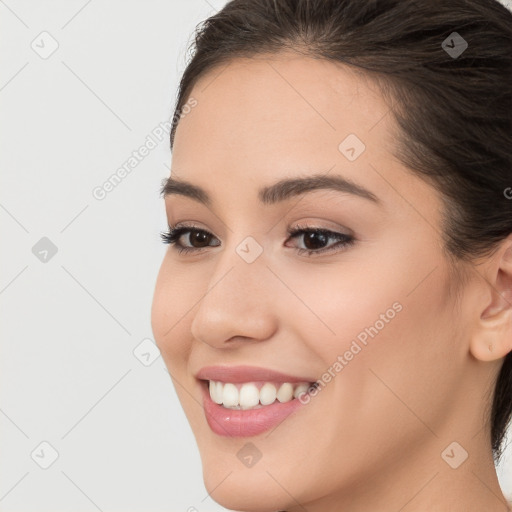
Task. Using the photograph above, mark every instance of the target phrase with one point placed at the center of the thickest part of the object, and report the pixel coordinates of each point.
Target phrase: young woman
(335, 308)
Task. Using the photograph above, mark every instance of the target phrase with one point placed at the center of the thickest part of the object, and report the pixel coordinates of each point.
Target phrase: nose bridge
(236, 301)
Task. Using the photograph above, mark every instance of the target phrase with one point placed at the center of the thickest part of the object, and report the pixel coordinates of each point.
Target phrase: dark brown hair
(454, 111)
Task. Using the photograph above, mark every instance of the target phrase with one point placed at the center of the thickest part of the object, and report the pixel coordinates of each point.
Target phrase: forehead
(261, 119)
(273, 101)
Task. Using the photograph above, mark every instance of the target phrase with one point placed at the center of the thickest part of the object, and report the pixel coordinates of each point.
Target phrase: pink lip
(245, 423)
(244, 373)
(250, 422)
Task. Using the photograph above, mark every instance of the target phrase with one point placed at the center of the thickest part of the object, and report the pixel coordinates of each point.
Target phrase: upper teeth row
(249, 395)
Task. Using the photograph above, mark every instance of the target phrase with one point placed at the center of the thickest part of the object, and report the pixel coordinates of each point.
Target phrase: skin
(372, 438)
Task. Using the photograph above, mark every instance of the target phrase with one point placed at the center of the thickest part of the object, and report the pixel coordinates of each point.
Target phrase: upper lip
(244, 373)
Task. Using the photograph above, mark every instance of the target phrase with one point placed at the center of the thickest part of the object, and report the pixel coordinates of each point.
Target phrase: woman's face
(377, 315)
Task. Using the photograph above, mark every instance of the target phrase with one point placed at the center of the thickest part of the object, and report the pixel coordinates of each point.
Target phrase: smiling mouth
(246, 400)
(255, 394)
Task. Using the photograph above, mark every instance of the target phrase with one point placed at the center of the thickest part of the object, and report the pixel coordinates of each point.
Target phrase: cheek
(394, 331)
(400, 349)
(357, 298)
(395, 292)
(170, 317)
(389, 315)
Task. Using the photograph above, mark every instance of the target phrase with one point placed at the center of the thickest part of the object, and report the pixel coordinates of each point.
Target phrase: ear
(492, 338)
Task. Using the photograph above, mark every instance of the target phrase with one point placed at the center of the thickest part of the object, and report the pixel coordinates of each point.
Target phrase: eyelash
(174, 234)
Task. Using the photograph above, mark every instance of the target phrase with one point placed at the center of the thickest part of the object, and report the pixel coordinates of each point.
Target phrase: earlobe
(492, 337)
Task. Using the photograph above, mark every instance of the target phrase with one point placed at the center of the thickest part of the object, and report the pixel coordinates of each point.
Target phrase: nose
(237, 305)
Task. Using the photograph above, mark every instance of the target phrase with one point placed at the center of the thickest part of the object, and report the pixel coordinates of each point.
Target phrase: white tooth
(285, 392)
(212, 389)
(216, 391)
(229, 395)
(300, 389)
(268, 394)
(249, 396)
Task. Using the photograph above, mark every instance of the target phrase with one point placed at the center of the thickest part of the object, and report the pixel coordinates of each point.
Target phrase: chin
(247, 490)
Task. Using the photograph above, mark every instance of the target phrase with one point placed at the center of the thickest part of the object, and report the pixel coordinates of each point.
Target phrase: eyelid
(320, 225)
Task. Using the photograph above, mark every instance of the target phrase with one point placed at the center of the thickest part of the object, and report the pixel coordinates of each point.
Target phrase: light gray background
(70, 324)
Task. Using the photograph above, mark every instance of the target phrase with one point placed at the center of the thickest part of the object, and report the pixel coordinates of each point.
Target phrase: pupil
(200, 237)
(311, 236)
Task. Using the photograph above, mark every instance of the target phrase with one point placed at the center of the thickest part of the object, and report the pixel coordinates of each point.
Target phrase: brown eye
(316, 240)
(199, 238)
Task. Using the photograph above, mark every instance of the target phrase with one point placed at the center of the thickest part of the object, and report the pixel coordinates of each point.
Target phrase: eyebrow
(280, 191)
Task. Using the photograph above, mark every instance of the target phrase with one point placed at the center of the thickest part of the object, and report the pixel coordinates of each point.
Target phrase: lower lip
(245, 423)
